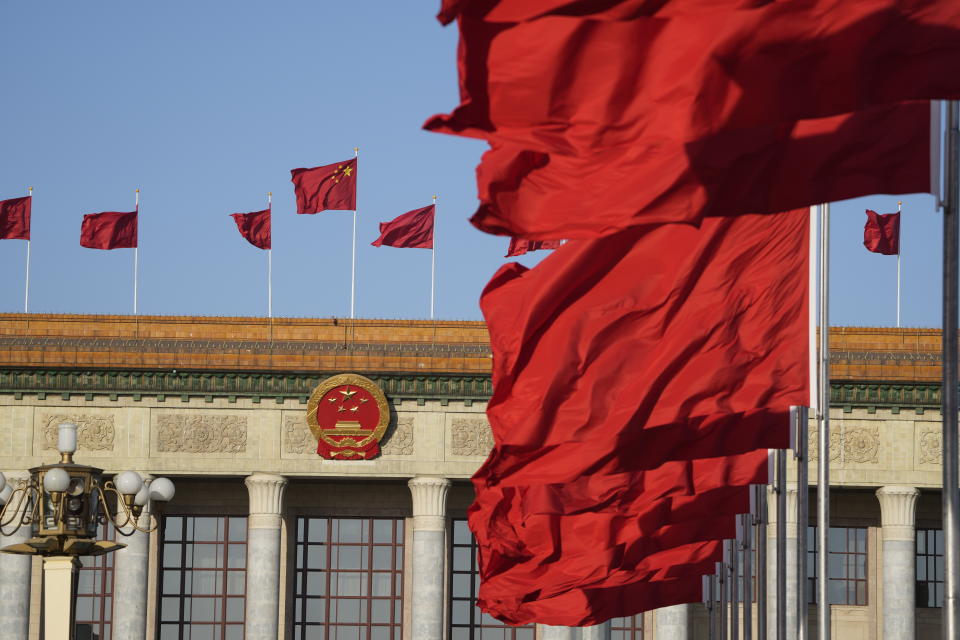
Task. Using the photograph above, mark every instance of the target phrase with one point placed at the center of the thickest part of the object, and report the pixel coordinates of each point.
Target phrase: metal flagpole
(353, 261)
(823, 431)
(799, 422)
(722, 574)
(948, 395)
(734, 546)
(899, 247)
(270, 258)
(26, 288)
(710, 601)
(760, 491)
(136, 254)
(781, 576)
(747, 548)
(433, 259)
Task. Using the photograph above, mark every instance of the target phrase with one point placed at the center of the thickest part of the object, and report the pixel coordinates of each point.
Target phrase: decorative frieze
(470, 437)
(296, 435)
(94, 433)
(205, 433)
(399, 438)
(860, 445)
(930, 446)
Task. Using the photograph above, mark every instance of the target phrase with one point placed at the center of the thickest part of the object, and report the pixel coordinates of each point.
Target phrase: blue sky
(207, 106)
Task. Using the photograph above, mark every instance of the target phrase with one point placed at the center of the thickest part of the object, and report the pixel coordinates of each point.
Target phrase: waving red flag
(255, 227)
(524, 10)
(764, 169)
(519, 246)
(573, 84)
(881, 233)
(330, 187)
(601, 377)
(109, 230)
(15, 218)
(411, 230)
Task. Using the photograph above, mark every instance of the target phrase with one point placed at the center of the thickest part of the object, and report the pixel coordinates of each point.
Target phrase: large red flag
(15, 218)
(575, 84)
(410, 230)
(764, 169)
(881, 233)
(330, 187)
(255, 227)
(109, 230)
(523, 10)
(519, 246)
(601, 376)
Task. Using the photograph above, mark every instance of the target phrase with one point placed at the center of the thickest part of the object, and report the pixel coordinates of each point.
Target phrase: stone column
(596, 632)
(263, 555)
(673, 623)
(898, 506)
(58, 597)
(549, 632)
(130, 577)
(791, 573)
(15, 571)
(429, 555)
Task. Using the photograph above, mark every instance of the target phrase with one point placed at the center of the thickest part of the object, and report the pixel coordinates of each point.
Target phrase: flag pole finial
(30, 189)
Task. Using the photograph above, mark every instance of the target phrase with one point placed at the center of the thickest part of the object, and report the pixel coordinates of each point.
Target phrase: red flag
(411, 230)
(523, 10)
(15, 218)
(109, 230)
(519, 246)
(764, 169)
(255, 227)
(600, 377)
(331, 187)
(881, 233)
(574, 84)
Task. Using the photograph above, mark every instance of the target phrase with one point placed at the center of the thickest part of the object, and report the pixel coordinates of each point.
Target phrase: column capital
(898, 508)
(266, 500)
(429, 495)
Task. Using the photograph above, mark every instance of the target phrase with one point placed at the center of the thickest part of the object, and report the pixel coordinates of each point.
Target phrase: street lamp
(64, 503)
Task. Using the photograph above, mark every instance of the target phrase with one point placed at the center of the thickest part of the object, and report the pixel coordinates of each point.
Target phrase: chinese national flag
(331, 187)
(109, 230)
(765, 169)
(575, 84)
(15, 218)
(881, 233)
(254, 227)
(609, 389)
(524, 10)
(519, 246)
(411, 230)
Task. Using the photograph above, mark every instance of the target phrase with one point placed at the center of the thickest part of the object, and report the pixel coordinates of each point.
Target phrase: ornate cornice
(895, 396)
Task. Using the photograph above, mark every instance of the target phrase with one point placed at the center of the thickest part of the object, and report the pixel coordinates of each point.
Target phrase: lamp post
(64, 504)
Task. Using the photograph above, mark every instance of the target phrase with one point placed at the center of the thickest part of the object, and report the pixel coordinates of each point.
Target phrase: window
(95, 591)
(847, 562)
(203, 578)
(630, 628)
(348, 579)
(929, 568)
(467, 622)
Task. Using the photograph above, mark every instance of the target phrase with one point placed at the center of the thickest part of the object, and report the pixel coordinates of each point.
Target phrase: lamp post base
(59, 573)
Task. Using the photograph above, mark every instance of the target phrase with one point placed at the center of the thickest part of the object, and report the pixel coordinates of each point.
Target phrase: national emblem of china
(348, 414)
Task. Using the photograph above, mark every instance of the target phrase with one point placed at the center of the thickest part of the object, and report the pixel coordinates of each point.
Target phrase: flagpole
(823, 462)
(899, 248)
(136, 253)
(353, 261)
(802, 450)
(760, 493)
(948, 395)
(26, 288)
(433, 259)
(270, 257)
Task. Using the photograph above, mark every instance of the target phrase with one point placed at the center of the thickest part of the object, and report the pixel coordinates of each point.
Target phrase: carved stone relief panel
(398, 440)
(471, 437)
(297, 437)
(854, 444)
(931, 446)
(208, 433)
(94, 433)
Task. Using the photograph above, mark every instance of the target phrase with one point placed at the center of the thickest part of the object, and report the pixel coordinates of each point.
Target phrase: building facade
(267, 540)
